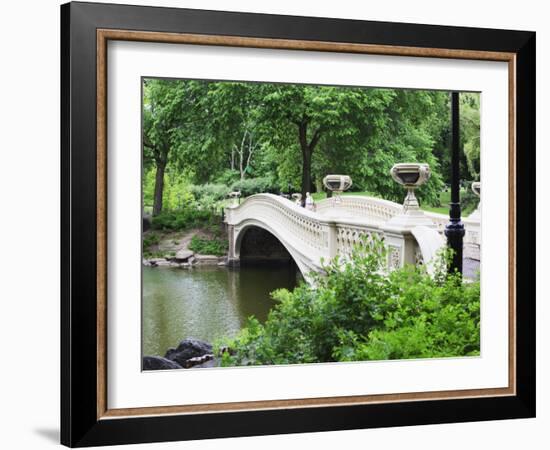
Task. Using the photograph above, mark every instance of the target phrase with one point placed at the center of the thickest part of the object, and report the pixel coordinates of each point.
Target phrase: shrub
(251, 186)
(359, 312)
(183, 219)
(149, 239)
(212, 246)
(209, 192)
(228, 177)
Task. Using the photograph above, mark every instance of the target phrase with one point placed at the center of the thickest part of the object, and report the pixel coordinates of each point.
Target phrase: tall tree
(346, 117)
(170, 121)
(470, 131)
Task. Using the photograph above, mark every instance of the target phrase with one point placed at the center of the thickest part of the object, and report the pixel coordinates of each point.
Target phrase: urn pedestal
(410, 176)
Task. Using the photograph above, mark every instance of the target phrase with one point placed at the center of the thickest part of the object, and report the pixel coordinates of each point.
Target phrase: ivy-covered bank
(359, 312)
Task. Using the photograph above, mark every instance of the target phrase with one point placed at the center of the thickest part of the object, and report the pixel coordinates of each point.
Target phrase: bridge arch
(248, 226)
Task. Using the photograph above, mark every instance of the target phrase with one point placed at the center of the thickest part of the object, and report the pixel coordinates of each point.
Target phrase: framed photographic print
(275, 224)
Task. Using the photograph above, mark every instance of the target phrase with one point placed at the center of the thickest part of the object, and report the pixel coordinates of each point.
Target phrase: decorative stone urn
(235, 195)
(410, 176)
(476, 189)
(337, 184)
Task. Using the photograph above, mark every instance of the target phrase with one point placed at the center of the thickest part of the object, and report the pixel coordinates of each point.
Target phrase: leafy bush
(212, 246)
(149, 239)
(250, 186)
(227, 177)
(184, 219)
(209, 192)
(360, 312)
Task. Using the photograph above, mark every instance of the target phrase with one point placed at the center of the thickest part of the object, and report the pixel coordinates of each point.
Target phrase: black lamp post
(455, 228)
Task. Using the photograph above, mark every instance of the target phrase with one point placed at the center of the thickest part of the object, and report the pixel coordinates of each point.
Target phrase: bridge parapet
(334, 228)
(376, 209)
(310, 237)
(380, 211)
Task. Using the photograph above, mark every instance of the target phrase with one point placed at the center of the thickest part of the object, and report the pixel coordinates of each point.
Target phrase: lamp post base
(455, 237)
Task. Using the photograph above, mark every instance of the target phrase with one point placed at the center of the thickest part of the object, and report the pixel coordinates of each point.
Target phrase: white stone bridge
(336, 226)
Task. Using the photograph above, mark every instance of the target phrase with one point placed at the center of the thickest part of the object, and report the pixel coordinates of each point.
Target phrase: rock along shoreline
(190, 353)
(186, 259)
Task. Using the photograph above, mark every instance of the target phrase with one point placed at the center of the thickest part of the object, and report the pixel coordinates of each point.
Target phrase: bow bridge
(336, 225)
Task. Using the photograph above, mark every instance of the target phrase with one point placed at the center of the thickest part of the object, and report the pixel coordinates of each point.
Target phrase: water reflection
(205, 303)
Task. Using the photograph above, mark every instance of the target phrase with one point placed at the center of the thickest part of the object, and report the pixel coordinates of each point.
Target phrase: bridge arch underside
(257, 243)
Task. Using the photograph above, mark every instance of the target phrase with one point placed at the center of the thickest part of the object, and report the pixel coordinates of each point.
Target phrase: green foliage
(470, 131)
(227, 177)
(184, 219)
(250, 186)
(209, 193)
(357, 311)
(149, 239)
(209, 246)
(229, 133)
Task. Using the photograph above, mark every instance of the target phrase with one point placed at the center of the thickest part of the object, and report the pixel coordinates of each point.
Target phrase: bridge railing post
(332, 239)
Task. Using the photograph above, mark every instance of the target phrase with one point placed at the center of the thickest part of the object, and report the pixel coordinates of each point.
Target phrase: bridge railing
(335, 227)
(308, 234)
(375, 209)
(379, 210)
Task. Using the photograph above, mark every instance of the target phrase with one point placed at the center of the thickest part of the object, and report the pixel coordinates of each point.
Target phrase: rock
(192, 362)
(206, 259)
(159, 363)
(153, 262)
(214, 362)
(188, 349)
(163, 263)
(183, 255)
(192, 260)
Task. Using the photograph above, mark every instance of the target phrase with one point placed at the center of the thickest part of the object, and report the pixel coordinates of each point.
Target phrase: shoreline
(194, 260)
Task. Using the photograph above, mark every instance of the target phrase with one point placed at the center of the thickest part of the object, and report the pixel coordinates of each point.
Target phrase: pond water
(205, 303)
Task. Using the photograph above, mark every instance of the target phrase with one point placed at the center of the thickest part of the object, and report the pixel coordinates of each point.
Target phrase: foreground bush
(358, 312)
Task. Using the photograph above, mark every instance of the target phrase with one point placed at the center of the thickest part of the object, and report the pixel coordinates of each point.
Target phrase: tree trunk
(241, 171)
(159, 188)
(306, 173)
(307, 152)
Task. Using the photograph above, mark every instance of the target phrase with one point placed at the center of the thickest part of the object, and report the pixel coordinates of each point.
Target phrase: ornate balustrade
(375, 209)
(333, 228)
(379, 211)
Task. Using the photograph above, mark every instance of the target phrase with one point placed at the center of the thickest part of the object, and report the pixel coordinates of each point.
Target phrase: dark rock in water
(159, 363)
(198, 360)
(214, 362)
(188, 348)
